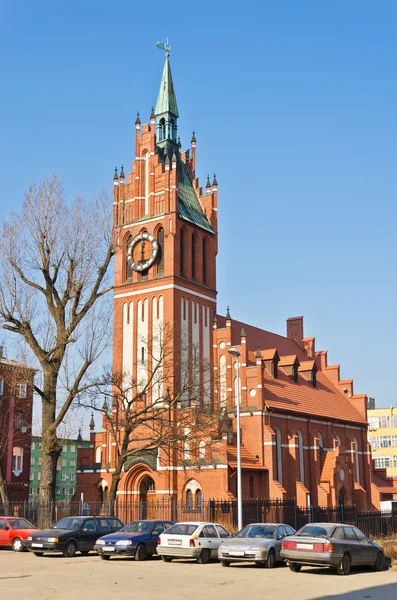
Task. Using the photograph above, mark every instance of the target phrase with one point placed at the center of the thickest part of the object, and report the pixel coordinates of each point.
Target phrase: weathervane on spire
(164, 46)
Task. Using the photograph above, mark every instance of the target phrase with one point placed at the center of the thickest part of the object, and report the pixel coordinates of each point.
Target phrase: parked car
(13, 530)
(138, 539)
(258, 542)
(71, 534)
(192, 539)
(332, 545)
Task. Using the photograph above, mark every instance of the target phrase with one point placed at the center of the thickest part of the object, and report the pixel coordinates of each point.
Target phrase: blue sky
(294, 107)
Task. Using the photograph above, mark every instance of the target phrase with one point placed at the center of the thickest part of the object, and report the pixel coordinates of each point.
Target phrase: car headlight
(124, 543)
(52, 539)
(258, 548)
(30, 538)
(100, 542)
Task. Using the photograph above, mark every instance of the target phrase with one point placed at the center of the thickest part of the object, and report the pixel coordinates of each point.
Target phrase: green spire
(166, 100)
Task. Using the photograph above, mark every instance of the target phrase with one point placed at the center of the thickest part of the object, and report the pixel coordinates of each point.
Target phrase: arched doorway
(146, 485)
(341, 497)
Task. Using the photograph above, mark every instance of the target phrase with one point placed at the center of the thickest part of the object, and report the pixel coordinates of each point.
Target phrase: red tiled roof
(385, 486)
(286, 361)
(323, 400)
(306, 365)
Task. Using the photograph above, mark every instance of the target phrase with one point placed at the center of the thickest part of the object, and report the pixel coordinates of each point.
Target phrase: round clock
(142, 251)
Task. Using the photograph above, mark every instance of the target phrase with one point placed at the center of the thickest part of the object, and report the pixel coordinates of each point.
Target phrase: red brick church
(303, 429)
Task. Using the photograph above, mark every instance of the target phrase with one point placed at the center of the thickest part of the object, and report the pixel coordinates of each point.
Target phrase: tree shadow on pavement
(388, 591)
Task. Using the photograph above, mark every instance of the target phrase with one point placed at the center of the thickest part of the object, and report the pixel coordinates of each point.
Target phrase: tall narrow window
(128, 268)
(279, 456)
(337, 441)
(301, 460)
(160, 240)
(201, 452)
(194, 256)
(182, 252)
(204, 260)
(356, 459)
(162, 130)
(98, 455)
(17, 460)
(222, 380)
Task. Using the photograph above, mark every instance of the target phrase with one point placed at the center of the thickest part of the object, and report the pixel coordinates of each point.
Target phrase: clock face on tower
(142, 251)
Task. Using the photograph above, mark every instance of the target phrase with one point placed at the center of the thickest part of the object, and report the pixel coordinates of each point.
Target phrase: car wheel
(105, 557)
(271, 559)
(344, 566)
(38, 553)
(295, 568)
(70, 549)
(166, 558)
(84, 552)
(378, 566)
(204, 557)
(225, 563)
(140, 553)
(17, 545)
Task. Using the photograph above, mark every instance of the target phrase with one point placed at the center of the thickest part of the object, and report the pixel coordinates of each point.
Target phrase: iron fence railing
(372, 523)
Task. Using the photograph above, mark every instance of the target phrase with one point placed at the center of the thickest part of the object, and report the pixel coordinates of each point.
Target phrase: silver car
(258, 542)
(333, 545)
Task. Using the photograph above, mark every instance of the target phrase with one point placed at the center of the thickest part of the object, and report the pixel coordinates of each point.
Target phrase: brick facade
(304, 432)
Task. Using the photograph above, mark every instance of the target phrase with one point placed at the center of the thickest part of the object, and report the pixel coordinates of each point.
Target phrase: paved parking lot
(25, 576)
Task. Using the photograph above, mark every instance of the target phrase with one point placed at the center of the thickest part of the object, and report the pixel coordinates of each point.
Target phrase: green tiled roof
(166, 100)
(189, 207)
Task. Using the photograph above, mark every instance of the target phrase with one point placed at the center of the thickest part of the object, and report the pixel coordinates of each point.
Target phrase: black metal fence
(373, 523)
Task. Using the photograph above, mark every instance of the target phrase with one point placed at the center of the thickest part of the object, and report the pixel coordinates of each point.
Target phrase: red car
(13, 530)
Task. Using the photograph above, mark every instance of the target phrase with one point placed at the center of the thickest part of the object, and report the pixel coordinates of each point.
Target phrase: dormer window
(290, 364)
(308, 370)
(271, 359)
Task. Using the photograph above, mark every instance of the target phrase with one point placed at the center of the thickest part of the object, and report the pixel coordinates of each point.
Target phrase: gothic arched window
(194, 246)
(278, 456)
(189, 499)
(128, 269)
(182, 252)
(204, 260)
(160, 240)
(356, 459)
(301, 460)
(162, 130)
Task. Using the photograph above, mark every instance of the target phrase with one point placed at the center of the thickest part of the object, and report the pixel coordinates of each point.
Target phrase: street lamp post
(237, 354)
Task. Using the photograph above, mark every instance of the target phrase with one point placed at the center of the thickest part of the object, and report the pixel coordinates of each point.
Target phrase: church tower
(165, 266)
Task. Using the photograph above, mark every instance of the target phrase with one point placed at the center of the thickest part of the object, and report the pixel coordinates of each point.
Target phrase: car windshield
(137, 527)
(317, 530)
(68, 523)
(21, 524)
(258, 531)
(182, 529)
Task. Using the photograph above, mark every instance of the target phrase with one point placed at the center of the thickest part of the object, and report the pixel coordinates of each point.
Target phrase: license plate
(175, 542)
(304, 546)
(110, 549)
(37, 545)
(236, 553)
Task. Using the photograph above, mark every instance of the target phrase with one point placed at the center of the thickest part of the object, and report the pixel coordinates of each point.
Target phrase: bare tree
(55, 258)
(143, 415)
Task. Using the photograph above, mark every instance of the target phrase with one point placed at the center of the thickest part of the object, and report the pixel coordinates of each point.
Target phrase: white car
(193, 539)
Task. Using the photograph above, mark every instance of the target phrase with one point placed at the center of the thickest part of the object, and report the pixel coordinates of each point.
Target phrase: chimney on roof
(295, 329)
(371, 404)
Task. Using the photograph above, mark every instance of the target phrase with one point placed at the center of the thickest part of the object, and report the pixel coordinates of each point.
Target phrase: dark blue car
(137, 539)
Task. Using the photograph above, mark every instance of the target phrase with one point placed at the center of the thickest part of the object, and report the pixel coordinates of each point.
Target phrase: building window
(194, 256)
(72, 476)
(201, 452)
(320, 441)
(182, 252)
(72, 462)
(32, 446)
(189, 499)
(64, 462)
(17, 458)
(337, 441)
(32, 460)
(1, 387)
(62, 491)
(65, 449)
(162, 130)
(356, 459)
(39, 476)
(199, 499)
(204, 260)
(186, 451)
(39, 461)
(222, 381)
(160, 241)
(72, 448)
(301, 460)
(98, 454)
(31, 476)
(279, 456)
(20, 390)
(63, 477)
(71, 491)
(18, 420)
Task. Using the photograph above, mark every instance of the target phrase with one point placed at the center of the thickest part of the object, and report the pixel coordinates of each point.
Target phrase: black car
(138, 539)
(71, 534)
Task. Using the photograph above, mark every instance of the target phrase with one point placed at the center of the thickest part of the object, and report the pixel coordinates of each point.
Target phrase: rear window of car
(182, 529)
(316, 530)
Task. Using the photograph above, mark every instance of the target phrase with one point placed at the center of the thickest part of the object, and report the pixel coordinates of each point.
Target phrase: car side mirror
(280, 537)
